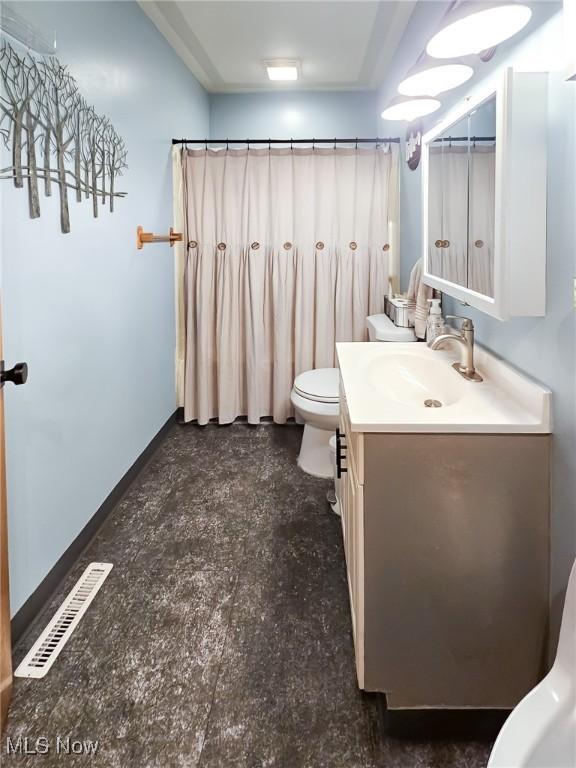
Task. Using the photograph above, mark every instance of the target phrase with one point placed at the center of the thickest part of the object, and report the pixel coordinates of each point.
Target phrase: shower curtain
(287, 251)
(461, 211)
(448, 213)
(482, 213)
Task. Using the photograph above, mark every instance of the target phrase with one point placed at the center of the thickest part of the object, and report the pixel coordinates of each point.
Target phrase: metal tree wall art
(56, 138)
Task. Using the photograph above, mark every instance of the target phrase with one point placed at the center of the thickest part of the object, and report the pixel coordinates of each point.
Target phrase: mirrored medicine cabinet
(484, 198)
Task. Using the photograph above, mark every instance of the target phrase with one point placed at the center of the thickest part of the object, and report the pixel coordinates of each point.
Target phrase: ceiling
(341, 44)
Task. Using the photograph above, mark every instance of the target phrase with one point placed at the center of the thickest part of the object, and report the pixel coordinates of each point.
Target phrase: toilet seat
(321, 385)
(315, 410)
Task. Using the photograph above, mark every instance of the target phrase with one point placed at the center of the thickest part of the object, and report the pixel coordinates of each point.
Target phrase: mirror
(461, 200)
(484, 197)
(481, 197)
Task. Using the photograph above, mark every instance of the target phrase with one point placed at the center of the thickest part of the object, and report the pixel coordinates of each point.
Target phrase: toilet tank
(381, 328)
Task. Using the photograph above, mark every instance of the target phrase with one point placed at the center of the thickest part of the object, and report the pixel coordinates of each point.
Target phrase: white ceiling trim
(389, 25)
(384, 42)
(154, 12)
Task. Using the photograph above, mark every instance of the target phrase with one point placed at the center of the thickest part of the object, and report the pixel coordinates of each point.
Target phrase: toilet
(540, 732)
(315, 397)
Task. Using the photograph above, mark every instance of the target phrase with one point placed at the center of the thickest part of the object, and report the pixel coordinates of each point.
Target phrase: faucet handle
(467, 324)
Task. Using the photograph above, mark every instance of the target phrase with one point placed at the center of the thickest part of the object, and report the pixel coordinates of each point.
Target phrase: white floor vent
(45, 650)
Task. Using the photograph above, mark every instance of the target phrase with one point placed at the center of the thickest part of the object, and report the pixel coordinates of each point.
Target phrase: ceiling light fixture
(432, 80)
(473, 31)
(282, 69)
(410, 109)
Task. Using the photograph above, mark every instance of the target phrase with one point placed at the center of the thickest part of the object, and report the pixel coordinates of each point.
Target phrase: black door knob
(16, 375)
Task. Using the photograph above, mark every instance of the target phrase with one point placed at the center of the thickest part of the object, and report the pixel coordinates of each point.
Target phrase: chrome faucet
(466, 341)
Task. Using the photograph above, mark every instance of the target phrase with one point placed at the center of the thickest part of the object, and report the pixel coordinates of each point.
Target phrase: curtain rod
(466, 138)
(377, 140)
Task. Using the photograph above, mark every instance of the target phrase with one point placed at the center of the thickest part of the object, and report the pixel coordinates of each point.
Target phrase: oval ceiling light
(478, 30)
(432, 80)
(410, 109)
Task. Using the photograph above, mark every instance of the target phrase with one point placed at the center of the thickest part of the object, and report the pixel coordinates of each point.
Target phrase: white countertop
(385, 386)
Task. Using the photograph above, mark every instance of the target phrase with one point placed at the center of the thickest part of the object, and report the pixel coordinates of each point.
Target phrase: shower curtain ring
(313, 144)
(268, 145)
(291, 147)
(248, 144)
(334, 143)
(226, 145)
(206, 144)
(356, 147)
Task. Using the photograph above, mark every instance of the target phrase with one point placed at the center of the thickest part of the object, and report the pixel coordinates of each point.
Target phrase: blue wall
(545, 347)
(93, 316)
(300, 114)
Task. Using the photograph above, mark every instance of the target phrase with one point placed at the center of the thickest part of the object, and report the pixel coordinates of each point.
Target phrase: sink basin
(400, 387)
(415, 381)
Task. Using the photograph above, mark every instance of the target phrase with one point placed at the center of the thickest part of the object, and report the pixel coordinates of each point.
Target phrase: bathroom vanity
(445, 518)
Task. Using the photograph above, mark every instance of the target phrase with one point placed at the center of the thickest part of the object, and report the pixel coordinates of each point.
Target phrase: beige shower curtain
(448, 212)
(482, 213)
(287, 252)
(461, 210)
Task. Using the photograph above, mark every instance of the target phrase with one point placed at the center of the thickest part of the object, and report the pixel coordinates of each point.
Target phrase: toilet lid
(321, 384)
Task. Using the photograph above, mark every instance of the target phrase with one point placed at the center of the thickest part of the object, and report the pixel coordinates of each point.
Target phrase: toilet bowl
(315, 396)
(540, 732)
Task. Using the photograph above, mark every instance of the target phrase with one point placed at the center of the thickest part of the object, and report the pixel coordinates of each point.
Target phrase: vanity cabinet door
(352, 504)
(351, 491)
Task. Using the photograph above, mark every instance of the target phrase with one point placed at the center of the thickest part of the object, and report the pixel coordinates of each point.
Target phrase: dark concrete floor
(222, 636)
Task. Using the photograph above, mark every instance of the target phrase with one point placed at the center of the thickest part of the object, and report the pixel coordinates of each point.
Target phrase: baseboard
(42, 594)
(442, 724)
